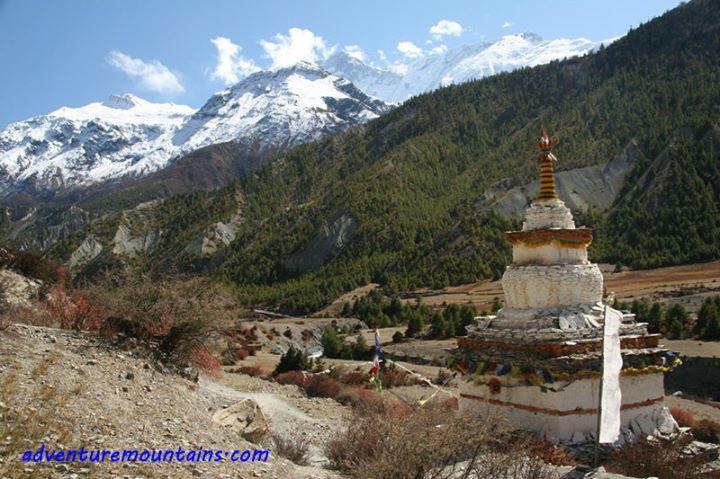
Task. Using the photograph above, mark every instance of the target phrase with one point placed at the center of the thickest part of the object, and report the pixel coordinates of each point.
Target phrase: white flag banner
(612, 364)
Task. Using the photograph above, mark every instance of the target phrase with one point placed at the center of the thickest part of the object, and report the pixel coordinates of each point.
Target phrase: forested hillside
(393, 201)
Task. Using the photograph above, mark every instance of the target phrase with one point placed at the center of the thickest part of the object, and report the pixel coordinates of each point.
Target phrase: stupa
(538, 361)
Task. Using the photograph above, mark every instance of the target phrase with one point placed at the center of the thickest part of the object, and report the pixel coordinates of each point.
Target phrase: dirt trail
(278, 411)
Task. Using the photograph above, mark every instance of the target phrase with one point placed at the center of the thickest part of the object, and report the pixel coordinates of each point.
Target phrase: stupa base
(566, 412)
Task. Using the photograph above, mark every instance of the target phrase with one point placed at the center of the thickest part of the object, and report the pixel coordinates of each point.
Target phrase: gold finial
(547, 176)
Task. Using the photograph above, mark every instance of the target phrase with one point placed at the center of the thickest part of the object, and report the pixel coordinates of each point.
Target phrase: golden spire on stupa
(547, 176)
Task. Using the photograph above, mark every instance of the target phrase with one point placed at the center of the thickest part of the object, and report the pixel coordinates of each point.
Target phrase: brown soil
(689, 347)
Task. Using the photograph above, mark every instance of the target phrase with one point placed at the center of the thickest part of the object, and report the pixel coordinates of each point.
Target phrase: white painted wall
(548, 254)
(539, 286)
(581, 394)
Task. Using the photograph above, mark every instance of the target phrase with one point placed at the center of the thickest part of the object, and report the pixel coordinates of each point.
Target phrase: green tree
(331, 343)
(677, 320)
(360, 349)
(707, 326)
(415, 325)
(655, 318)
(292, 360)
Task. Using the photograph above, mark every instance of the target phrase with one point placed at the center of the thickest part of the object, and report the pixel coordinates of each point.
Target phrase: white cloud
(507, 24)
(231, 65)
(382, 55)
(299, 45)
(439, 49)
(409, 49)
(151, 75)
(446, 27)
(355, 51)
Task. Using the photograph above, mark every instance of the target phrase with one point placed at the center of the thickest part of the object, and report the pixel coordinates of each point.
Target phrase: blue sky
(72, 52)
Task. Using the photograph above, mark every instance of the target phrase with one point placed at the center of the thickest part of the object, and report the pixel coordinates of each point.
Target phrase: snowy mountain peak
(124, 101)
(398, 82)
(128, 136)
(279, 108)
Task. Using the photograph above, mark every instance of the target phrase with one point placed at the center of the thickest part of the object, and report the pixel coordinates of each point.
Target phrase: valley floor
(688, 284)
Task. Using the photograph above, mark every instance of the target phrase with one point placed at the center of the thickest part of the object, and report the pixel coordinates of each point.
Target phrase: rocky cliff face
(581, 189)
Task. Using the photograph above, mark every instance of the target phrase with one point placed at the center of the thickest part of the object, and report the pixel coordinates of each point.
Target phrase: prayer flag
(611, 398)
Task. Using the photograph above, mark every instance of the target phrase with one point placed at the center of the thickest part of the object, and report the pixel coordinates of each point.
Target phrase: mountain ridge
(126, 136)
(456, 65)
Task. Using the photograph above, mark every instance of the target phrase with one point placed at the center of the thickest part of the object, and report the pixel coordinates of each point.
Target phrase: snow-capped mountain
(456, 65)
(280, 108)
(124, 135)
(128, 136)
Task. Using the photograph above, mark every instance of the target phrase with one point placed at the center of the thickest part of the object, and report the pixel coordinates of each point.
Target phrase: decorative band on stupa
(547, 176)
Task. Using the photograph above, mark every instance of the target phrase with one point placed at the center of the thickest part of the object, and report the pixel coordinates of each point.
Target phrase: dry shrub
(358, 397)
(683, 418)
(296, 448)
(662, 458)
(386, 441)
(707, 431)
(254, 371)
(546, 451)
(296, 378)
(250, 334)
(241, 353)
(172, 318)
(353, 378)
(392, 377)
(321, 385)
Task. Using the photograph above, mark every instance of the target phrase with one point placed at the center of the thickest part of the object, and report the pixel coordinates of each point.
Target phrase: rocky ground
(68, 390)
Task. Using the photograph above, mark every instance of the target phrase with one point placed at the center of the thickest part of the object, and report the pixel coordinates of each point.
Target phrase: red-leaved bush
(254, 371)
(74, 311)
(321, 385)
(290, 377)
(684, 418)
(354, 378)
(203, 359)
(357, 396)
(395, 377)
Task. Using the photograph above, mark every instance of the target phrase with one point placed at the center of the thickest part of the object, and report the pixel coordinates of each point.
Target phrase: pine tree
(415, 325)
(331, 343)
(711, 322)
(655, 318)
(677, 320)
(707, 310)
(360, 349)
(292, 360)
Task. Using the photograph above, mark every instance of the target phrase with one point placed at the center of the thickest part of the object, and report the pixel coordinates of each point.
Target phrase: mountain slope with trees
(393, 201)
